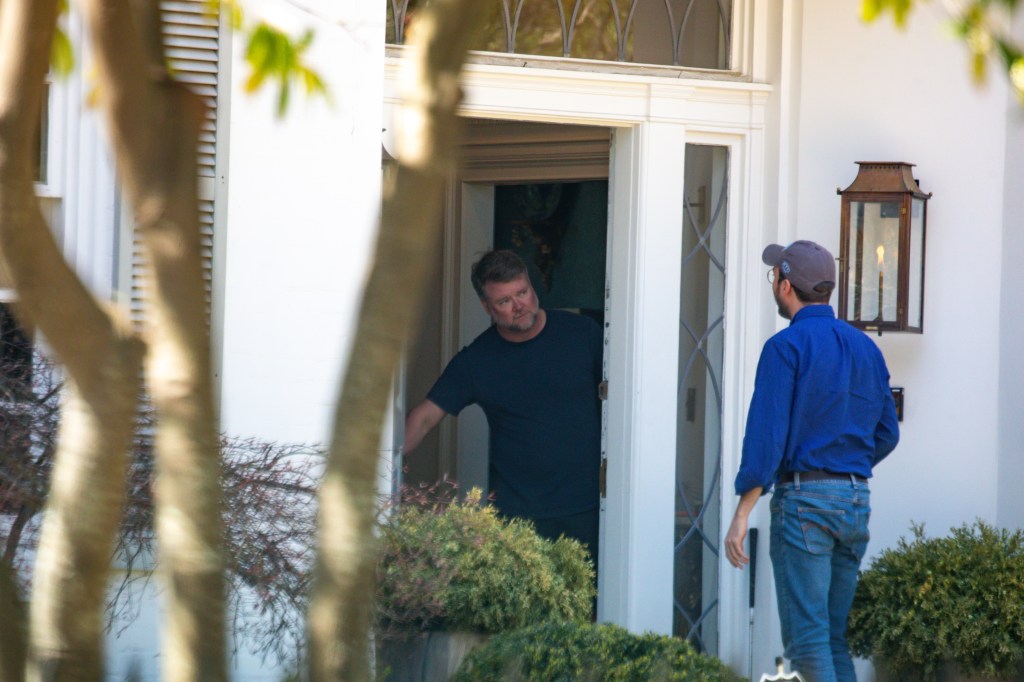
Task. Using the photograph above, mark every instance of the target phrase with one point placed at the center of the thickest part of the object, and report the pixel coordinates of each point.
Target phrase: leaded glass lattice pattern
(699, 397)
(685, 33)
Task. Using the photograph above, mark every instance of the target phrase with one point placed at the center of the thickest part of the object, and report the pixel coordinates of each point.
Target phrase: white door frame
(497, 153)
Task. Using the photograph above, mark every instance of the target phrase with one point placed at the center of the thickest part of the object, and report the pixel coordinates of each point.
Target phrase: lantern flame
(881, 254)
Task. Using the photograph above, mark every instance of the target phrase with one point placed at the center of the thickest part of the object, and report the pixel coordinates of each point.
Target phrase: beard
(783, 312)
(523, 324)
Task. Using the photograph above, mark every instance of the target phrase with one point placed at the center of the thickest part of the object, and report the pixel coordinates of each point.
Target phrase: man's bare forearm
(419, 422)
(734, 539)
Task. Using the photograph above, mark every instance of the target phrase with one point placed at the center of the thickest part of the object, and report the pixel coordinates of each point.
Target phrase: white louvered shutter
(192, 46)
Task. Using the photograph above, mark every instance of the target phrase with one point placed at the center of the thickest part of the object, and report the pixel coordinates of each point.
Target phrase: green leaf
(62, 54)
(282, 98)
(1017, 77)
(978, 62)
(254, 81)
(273, 55)
(231, 10)
(312, 81)
(304, 42)
(257, 50)
(870, 10)
(211, 8)
(235, 16)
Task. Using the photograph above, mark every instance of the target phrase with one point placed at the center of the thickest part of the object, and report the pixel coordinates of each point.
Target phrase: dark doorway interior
(541, 190)
(560, 230)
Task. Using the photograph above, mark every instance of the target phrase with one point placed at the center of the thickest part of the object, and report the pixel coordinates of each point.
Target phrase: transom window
(685, 33)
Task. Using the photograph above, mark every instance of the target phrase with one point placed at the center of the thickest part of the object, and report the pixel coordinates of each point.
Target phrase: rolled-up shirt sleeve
(764, 443)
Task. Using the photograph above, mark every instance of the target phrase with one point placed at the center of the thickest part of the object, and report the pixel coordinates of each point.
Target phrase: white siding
(302, 211)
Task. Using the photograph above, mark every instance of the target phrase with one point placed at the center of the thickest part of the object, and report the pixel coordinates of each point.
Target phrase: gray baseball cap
(806, 264)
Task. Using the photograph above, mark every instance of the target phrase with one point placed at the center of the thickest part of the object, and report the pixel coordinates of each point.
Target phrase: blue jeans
(819, 536)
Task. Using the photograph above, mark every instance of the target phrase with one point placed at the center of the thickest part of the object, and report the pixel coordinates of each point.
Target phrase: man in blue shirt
(821, 417)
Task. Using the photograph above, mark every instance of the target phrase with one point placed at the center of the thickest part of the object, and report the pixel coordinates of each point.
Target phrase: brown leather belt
(808, 476)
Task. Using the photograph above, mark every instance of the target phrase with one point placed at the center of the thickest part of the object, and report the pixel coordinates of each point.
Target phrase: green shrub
(458, 566)
(958, 598)
(567, 652)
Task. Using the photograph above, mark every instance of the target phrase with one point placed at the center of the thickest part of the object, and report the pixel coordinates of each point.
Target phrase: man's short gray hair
(500, 266)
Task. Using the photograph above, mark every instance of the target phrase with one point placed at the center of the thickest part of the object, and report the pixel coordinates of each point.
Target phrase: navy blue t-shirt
(540, 398)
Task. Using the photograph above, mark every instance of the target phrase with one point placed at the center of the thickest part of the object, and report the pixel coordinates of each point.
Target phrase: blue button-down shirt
(821, 403)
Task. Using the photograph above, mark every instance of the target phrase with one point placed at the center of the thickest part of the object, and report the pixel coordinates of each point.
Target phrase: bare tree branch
(269, 514)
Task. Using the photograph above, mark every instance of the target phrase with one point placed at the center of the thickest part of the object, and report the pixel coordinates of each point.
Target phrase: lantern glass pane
(874, 256)
(916, 264)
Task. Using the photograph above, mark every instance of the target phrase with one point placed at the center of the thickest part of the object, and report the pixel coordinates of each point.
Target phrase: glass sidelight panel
(699, 397)
(688, 33)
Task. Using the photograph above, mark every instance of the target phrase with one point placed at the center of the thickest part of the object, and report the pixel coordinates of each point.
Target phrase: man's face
(512, 305)
(776, 284)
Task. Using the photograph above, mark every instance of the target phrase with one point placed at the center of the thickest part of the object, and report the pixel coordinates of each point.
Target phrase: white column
(647, 210)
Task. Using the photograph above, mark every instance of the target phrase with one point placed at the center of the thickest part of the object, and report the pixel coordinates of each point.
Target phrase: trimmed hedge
(957, 598)
(571, 652)
(458, 566)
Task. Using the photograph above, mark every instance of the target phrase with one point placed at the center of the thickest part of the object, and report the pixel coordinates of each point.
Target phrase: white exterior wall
(874, 93)
(303, 201)
(847, 92)
(302, 204)
(1010, 511)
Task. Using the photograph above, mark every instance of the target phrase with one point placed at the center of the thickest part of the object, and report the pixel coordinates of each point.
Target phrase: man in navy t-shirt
(535, 374)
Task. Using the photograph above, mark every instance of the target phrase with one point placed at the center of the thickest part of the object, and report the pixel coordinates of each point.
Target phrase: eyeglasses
(772, 277)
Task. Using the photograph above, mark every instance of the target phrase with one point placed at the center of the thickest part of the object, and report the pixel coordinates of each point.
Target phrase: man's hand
(734, 539)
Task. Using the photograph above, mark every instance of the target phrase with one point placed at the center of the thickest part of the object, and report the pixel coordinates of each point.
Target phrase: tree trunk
(154, 124)
(341, 604)
(102, 362)
(12, 629)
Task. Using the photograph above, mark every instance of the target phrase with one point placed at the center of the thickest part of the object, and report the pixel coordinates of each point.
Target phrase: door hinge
(603, 477)
(602, 390)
